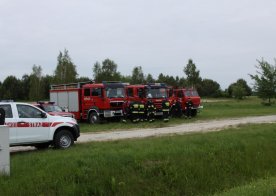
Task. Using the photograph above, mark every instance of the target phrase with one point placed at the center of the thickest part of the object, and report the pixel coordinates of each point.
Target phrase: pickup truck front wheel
(63, 139)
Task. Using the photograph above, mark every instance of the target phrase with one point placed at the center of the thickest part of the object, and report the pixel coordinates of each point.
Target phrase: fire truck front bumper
(112, 113)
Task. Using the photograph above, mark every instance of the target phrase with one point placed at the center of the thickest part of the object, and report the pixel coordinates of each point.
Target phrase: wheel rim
(94, 119)
(65, 141)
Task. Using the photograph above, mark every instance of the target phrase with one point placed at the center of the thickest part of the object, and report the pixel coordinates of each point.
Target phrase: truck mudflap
(112, 113)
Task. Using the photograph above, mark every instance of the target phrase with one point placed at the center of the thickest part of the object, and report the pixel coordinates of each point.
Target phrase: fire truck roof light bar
(111, 82)
(70, 85)
(7, 100)
(157, 84)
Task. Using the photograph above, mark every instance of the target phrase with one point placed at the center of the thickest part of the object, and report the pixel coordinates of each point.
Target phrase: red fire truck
(179, 97)
(90, 101)
(155, 94)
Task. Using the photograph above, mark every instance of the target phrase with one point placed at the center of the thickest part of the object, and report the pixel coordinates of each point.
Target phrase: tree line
(35, 86)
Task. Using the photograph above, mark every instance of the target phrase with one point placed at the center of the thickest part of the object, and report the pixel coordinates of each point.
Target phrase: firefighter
(134, 112)
(176, 110)
(166, 110)
(141, 111)
(189, 106)
(126, 111)
(150, 111)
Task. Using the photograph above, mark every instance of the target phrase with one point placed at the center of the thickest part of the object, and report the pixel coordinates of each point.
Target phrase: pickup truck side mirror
(43, 115)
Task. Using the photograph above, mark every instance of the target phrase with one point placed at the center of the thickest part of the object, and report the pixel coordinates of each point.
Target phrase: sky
(224, 38)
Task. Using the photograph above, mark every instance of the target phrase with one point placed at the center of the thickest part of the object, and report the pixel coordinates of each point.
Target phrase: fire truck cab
(180, 97)
(155, 94)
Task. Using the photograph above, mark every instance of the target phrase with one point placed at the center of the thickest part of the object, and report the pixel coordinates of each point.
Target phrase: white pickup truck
(31, 126)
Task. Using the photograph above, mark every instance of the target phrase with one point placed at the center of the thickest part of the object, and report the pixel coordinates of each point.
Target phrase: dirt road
(203, 126)
(199, 126)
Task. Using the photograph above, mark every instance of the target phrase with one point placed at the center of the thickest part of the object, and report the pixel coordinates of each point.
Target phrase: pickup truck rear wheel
(63, 139)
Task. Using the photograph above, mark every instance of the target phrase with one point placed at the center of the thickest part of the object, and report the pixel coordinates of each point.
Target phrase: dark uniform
(126, 111)
(166, 110)
(141, 112)
(176, 110)
(150, 111)
(189, 106)
(134, 112)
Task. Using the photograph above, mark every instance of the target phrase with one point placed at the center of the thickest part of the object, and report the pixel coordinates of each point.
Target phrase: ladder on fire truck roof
(70, 85)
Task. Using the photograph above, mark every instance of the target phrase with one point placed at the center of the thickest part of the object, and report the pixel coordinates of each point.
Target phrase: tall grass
(266, 187)
(196, 164)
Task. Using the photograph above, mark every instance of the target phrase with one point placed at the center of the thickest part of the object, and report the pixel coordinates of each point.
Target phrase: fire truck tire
(94, 118)
(63, 139)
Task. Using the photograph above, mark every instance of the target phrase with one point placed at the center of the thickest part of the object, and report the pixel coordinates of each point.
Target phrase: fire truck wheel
(63, 139)
(93, 118)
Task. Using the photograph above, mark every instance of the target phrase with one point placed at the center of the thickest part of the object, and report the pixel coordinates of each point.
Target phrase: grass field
(213, 109)
(234, 161)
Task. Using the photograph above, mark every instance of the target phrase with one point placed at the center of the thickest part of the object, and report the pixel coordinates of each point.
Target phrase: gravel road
(199, 126)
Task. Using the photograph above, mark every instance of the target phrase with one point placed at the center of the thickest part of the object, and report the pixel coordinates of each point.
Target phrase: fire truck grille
(158, 105)
(116, 104)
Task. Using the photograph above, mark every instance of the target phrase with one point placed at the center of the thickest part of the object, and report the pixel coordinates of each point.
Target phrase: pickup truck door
(10, 121)
(32, 125)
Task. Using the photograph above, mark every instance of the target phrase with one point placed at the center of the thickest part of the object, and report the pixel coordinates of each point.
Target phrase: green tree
(265, 80)
(25, 86)
(97, 72)
(243, 83)
(193, 78)
(106, 72)
(11, 88)
(238, 91)
(83, 79)
(150, 79)
(161, 78)
(126, 79)
(182, 82)
(36, 88)
(210, 88)
(46, 83)
(137, 76)
(66, 70)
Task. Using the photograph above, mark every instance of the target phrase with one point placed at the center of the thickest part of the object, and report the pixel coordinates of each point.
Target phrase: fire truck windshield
(194, 93)
(156, 93)
(115, 92)
(190, 93)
